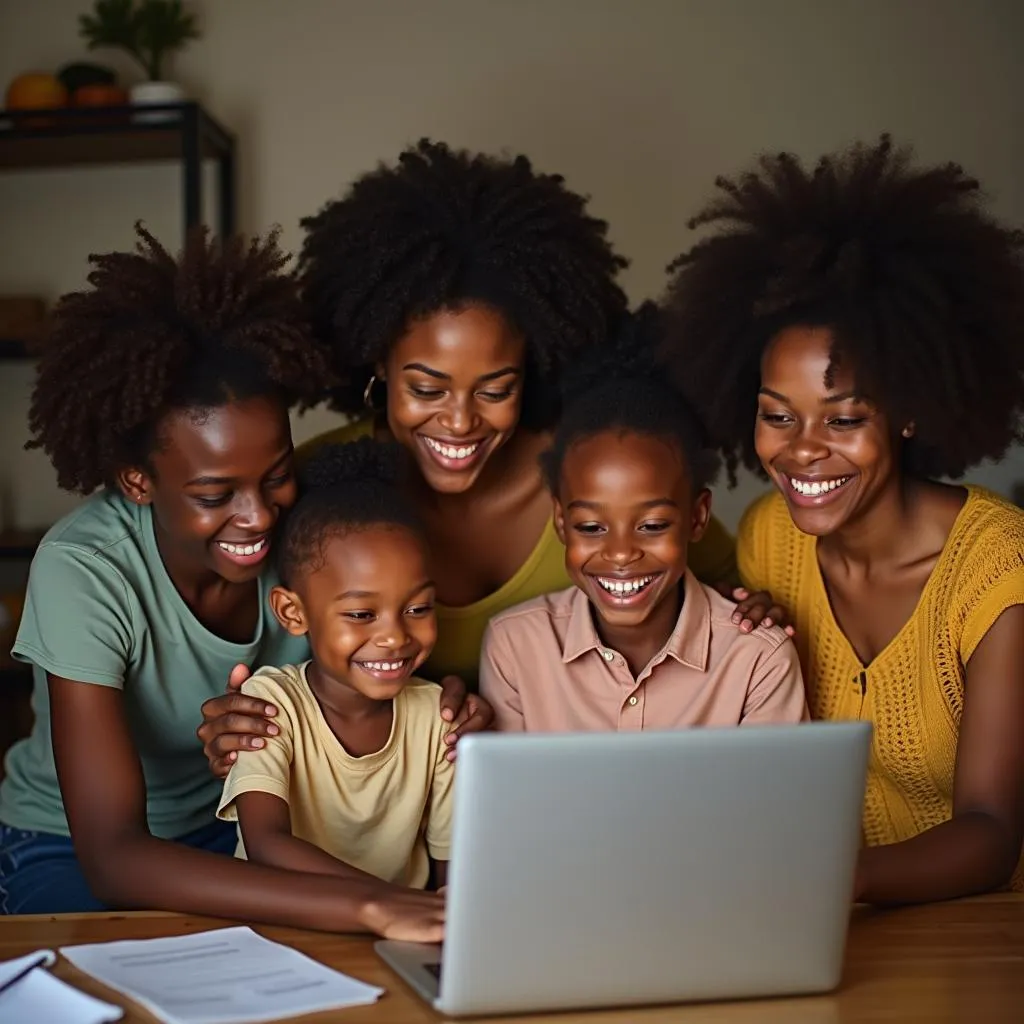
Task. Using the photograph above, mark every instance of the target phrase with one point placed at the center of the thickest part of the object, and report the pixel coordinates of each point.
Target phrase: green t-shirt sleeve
(77, 621)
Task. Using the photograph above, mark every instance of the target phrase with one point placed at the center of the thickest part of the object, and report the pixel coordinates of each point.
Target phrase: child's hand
(758, 609)
(234, 722)
(468, 712)
(408, 915)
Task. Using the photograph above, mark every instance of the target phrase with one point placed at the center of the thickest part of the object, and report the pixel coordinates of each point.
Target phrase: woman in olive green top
(451, 289)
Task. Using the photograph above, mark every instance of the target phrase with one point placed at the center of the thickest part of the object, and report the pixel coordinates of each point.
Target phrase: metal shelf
(83, 136)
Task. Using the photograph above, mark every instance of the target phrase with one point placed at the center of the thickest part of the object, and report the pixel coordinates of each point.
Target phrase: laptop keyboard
(434, 969)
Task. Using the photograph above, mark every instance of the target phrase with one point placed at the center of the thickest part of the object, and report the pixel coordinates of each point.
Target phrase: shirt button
(632, 700)
(608, 655)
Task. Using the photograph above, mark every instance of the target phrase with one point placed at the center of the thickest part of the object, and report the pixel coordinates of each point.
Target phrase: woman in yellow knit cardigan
(857, 332)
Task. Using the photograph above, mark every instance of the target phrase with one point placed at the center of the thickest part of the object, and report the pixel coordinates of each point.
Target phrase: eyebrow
(214, 481)
(438, 375)
(348, 594)
(655, 503)
(843, 396)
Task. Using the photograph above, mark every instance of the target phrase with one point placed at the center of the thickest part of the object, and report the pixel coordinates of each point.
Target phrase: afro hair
(345, 487)
(444, 228)
(222, 322)
(921, 290)
(621, 387)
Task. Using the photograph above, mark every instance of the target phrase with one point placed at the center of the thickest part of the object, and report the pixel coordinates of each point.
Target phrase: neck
(639, 643)
(193, 580)
(879, 535)
(343, 700)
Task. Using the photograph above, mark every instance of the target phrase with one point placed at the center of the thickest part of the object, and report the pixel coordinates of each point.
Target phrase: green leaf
(149, 30)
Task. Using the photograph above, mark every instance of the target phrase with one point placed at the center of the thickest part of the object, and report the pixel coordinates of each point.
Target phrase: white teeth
(383, 666)
(624, 586)
(451, 452)
(243, 549)
(811, 489)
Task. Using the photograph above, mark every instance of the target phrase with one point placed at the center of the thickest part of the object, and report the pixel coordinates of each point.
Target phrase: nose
(391, 635)
(620, 549)
(459, 416)
(808, 447)
(255, 513)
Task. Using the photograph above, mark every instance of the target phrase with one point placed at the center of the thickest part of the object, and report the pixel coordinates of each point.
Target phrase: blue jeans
(40, 874)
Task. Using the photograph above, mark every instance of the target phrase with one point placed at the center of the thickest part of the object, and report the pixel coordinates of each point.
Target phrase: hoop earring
(368, 393)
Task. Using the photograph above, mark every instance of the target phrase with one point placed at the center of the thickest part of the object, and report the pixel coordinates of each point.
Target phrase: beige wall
(638, 102)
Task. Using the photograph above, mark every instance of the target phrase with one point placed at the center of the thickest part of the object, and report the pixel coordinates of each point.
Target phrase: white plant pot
(150, 93)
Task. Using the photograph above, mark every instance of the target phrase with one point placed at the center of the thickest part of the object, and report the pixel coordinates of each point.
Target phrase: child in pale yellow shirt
(358, 781)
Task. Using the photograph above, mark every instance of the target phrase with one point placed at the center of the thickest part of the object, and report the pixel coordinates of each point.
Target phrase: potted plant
(149, 31)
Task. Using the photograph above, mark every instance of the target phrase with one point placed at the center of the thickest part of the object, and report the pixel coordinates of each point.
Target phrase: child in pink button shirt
(637, 642)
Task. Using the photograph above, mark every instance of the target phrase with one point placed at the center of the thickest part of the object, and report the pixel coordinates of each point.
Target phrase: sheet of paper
(227, 976)
(39, 997)
(12, 968)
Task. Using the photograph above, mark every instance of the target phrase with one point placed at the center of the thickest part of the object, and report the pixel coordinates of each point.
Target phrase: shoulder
(760, 641)
(989, 527)
(986, 544)
(100, 525)
(422, 695)
(421, 703)
(102, 540)
(284, 686)
(351, 431)
(538, 613)
(984, 567)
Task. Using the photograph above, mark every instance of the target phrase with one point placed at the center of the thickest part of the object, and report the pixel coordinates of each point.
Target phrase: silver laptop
(605, 869)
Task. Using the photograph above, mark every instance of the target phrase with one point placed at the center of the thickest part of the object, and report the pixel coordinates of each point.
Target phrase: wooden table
(961, 962)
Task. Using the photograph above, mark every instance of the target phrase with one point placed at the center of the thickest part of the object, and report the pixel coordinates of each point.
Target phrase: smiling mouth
(453, 456)
(387, 671)
(816, 492)
(625, 591)
(245, 554)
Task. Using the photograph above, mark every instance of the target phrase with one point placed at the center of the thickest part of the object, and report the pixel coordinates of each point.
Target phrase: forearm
(289, 853)
(971, 853)
(142, 872)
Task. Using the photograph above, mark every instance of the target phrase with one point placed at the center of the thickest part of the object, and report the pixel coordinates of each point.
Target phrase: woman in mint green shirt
(165, 389)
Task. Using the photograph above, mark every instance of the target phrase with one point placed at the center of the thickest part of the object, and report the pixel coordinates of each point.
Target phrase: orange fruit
(99, 96)
(34, 90)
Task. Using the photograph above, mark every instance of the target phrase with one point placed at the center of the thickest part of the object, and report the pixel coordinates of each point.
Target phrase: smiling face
(368, 608)
(626, 513)
(218, 482)
(454, 386)
(830, 451)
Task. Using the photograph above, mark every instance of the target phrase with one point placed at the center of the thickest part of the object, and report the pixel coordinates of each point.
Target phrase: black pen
(24, 972)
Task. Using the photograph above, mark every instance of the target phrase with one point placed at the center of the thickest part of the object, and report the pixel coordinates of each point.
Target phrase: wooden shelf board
(70, 137)
(25, 151)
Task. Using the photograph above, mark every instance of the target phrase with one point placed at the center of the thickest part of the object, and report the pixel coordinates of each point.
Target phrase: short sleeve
(77, 621)
(439, 815)
(713, 558)
(776, 693)
(995, 593)
(267, 770)
(497, 671)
